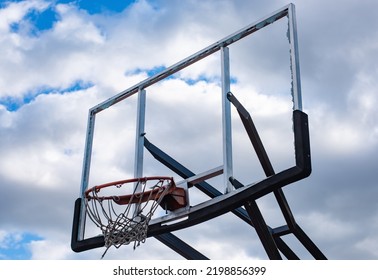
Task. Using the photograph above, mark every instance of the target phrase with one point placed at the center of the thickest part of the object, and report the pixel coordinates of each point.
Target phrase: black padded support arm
(85, 244)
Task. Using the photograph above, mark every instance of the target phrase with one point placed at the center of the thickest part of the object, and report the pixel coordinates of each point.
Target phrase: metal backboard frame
(235, 195)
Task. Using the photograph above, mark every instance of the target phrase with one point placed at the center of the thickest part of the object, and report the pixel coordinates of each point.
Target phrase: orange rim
(140, 197)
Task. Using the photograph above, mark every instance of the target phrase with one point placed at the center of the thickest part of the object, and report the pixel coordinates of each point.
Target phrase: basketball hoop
(122, 224)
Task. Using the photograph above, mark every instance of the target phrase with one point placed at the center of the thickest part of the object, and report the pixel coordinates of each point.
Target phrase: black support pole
(258, 221)
(263, 157)
(180, 247)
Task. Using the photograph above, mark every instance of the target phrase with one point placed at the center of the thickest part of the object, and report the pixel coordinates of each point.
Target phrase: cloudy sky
(60, 58)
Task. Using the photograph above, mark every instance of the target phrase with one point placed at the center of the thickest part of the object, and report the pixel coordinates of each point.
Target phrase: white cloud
(48, 250)
(5, 116)
(56, 58)
(76, 27)
(15, 11)
(222, 250)
(369, 245)
(320, 222)
(3, 235)
(43, 135)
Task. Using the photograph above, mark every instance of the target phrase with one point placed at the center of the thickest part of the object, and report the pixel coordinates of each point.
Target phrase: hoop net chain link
(130, 224)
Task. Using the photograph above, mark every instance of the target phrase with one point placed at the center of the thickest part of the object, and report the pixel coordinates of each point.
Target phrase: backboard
(198, 121)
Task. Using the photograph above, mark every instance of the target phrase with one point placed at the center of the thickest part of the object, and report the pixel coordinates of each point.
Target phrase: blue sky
(13, 104)
(16, 246)
(43, 20)
(60, 58)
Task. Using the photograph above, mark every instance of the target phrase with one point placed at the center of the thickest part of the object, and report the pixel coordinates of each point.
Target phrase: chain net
(125, 222)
